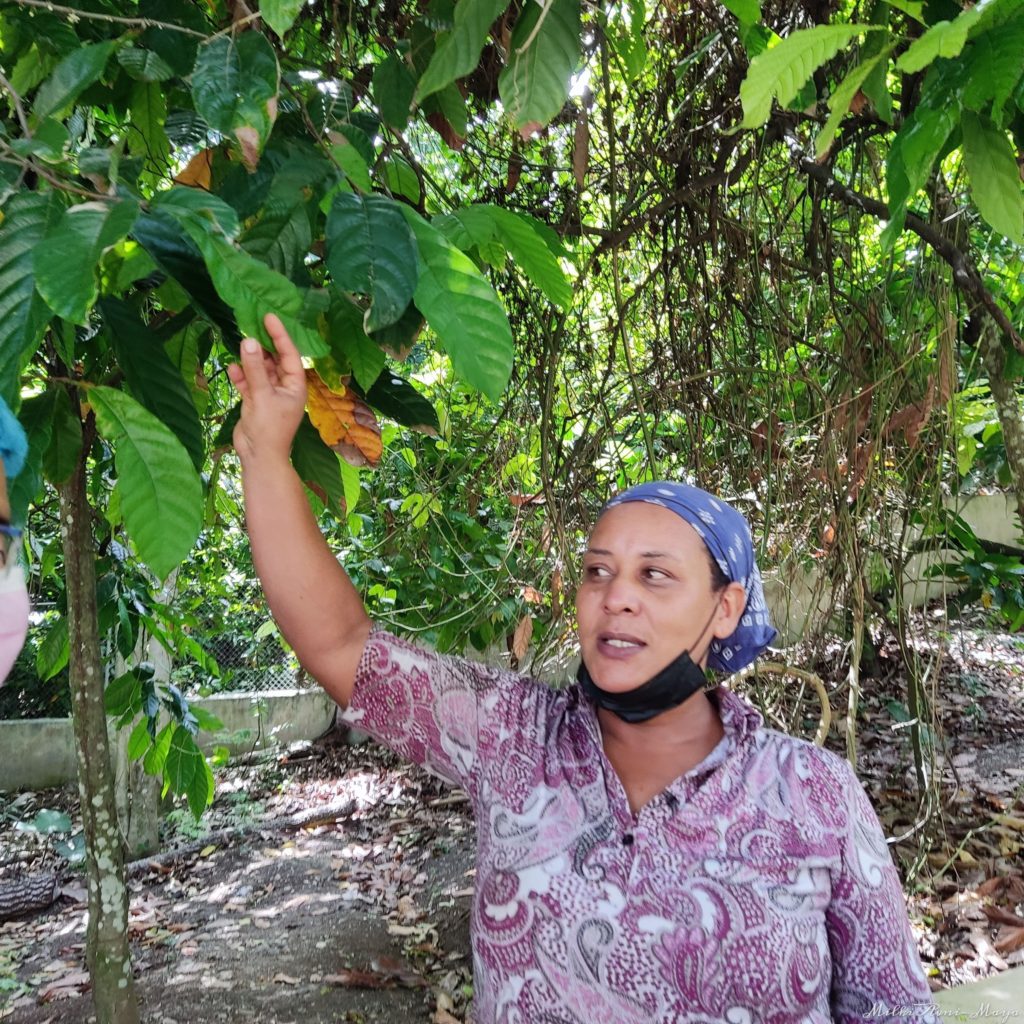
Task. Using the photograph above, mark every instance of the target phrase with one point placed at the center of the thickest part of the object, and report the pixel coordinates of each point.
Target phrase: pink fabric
(757, 888)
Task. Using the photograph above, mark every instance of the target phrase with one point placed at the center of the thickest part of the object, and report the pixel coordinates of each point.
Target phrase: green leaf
(65, 260)
(146, 135)
(748, 11)
(400, 179)
(161, 496)
(628, 38)
(840, 100)
(463, 310)
(458, 53)
(350, 478)
(49, 142)
(280, 15)
(451, 104)
(139, 740)
(399, 400)
(27, 216)
(176, 48)
(522, 236)
(943, 39)
(163, 238)
(351, 160)
(54, 651)
(70, 77)
(917, 145)
(318, 467)
(282, 239)
(32, 67)
(153, 378)
(123, 695)
(181, 201)
(912, 8)
(144, 65)
(995, 180)
(156, 756)
(185, 771)
(371, 251)
(349, 342)
(65, 444)
(543, 55)
(995, 68)
(252, 290)
(393, 87)
(206, 720)
(399, 338)
(782, 70)
(234, 87)
(366, 358)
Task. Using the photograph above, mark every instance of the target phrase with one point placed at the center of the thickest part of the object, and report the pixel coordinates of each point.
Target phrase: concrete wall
(800, 599)
(38, 753)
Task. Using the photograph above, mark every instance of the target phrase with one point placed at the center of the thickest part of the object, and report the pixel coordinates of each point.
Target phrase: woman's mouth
(617, 646)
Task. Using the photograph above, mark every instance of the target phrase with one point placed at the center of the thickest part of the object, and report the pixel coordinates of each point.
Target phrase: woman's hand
(273, 390)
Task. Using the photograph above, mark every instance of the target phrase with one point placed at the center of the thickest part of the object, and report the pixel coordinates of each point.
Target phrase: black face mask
(676, 682)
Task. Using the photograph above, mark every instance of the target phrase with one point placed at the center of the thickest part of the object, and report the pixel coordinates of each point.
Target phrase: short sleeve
(876, 970)
(438, 711)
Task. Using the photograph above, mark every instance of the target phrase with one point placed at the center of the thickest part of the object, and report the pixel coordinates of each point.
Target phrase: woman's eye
(656, 574)
(596, 572)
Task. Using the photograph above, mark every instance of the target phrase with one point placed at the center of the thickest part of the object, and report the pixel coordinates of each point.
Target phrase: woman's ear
(732, 603)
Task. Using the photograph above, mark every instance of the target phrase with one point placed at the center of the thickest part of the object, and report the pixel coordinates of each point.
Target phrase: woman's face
(646, 596)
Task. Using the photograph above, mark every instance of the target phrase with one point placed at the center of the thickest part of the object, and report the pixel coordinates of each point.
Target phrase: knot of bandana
(727, 536)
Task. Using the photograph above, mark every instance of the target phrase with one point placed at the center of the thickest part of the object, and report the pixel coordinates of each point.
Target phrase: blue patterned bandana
(727, 536)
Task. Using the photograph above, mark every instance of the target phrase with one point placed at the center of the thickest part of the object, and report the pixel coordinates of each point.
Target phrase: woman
(647, 852)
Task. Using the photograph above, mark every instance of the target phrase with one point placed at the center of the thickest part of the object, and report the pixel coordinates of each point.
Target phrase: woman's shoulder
(388, 654)
(795, 774)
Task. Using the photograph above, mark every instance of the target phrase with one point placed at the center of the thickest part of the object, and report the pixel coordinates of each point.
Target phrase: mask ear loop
(700, 635)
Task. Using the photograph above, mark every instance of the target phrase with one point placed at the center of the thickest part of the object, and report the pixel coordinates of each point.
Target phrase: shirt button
(627, 839)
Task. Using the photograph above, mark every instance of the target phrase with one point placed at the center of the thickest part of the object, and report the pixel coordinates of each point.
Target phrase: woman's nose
(620, 595)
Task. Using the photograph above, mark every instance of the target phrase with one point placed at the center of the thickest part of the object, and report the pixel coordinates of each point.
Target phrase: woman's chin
(617, 678)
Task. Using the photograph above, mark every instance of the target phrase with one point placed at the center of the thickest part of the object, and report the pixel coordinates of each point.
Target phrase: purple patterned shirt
(756, 888)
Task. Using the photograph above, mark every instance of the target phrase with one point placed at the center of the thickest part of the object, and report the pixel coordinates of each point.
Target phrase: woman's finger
(288, 359)
(237, 377)
(254, 368)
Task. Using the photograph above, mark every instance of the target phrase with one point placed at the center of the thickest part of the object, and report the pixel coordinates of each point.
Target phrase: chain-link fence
(221, 644)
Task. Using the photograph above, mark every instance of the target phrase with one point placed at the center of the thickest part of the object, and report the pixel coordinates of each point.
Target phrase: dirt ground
(362, 915)
(364, 919)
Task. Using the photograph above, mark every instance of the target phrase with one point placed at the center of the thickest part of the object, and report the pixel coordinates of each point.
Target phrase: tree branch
(965, 273)
(74, 13)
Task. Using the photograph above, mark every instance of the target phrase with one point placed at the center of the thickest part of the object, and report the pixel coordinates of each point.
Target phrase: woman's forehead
(639, 527)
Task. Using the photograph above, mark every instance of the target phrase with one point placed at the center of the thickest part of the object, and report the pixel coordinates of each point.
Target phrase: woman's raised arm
(314, 602)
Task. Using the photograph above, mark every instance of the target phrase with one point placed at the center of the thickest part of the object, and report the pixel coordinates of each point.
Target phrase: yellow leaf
(207, 850)
(197, 172)
(344, 422)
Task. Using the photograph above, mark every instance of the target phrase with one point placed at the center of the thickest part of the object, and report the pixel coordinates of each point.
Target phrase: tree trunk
(107, 953)
(993, 355)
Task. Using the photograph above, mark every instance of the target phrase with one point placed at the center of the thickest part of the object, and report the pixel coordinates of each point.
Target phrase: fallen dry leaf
(1009, 940)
